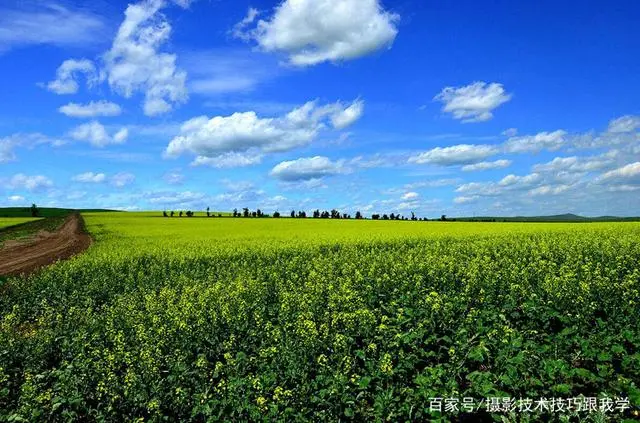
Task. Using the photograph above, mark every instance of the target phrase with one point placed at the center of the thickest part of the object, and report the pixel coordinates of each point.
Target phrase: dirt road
(44, 248)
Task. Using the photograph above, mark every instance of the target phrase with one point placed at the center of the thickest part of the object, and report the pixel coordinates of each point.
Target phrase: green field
(6, 222)
(321, 320)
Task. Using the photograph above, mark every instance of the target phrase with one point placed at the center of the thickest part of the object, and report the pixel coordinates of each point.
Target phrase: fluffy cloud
(473, 103)
(498, 164)
(535, 143)
(48, 23)
(242, 138)
(16, 198)
(135, 63)
(29, 183)
(316, 31)
(92, 109)
(307, 169)
(343, 118)
(90, 177)
(67, 74)
(630, 172)
(576, 164)
(624, 124)
(96, 134)
(461, 154)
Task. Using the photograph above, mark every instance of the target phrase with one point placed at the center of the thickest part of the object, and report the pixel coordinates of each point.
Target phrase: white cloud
(511, 132)
(551, 141)
(474, 102)
(624, 124)
(229, 160)
(316, 31)
(134, 62)
(576, 164)
(92, 109)
(307, 169)
(90, 177)
(174, 178)
(498, 164)
(67, 74)
(549, 190)
(343, 118)
(122, 179)
(410, 196)
(96, 134)
(244, 137)
(522, 181)
(16, 198)
(624, 173)
(461, 154)
(48, 23)
(465, 199)
(10, 143)
(29, 183)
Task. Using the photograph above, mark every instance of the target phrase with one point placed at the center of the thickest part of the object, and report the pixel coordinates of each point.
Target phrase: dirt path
(45, 248)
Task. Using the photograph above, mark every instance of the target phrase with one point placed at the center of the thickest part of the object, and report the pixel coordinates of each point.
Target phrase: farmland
(321, 320)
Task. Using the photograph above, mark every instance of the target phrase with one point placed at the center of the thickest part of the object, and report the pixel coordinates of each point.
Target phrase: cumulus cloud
(316, 31)
(10, 143)
(461, 154)
(498, 164)
(96, 134)
(474, 102)
(135, 63)
(46, 23)
(624, 124)
(243, 138)
(307, 169)
(410, 196)
(551, 141)
(576, 164)
(68, 73)
(90, 177)
(26, 182)
(92, 109)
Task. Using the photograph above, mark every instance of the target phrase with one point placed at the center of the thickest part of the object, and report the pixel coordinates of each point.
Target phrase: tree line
(301, 214)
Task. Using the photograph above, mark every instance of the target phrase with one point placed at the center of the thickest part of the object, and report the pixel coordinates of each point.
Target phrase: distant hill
(569, 217)
(44, 211)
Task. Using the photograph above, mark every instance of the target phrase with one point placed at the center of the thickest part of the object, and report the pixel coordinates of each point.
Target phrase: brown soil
(45, 248)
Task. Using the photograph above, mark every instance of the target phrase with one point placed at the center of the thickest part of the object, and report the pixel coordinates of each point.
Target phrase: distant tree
(276, 214)
(358, 215)
(443, 218)
(245, 212)
(293, 213)
(189, 213)
(208, 214)
(413, 216)
(385, 217)
(219, 214)
(375, 216)
(235, 212)
(316, 214)
(302, 214)
(34, 210)
(259, 213)
(392, 216)
(172, 213)
(345, 216)
(164, 214)
(180, 213)
(254, 214)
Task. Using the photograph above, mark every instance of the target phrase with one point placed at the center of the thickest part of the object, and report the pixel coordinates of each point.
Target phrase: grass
(6, 222)
(28, 227)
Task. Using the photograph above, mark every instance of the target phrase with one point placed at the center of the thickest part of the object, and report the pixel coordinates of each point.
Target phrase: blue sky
(436, 107)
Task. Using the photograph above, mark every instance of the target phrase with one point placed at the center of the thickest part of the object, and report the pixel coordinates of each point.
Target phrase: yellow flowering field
(196, 319)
